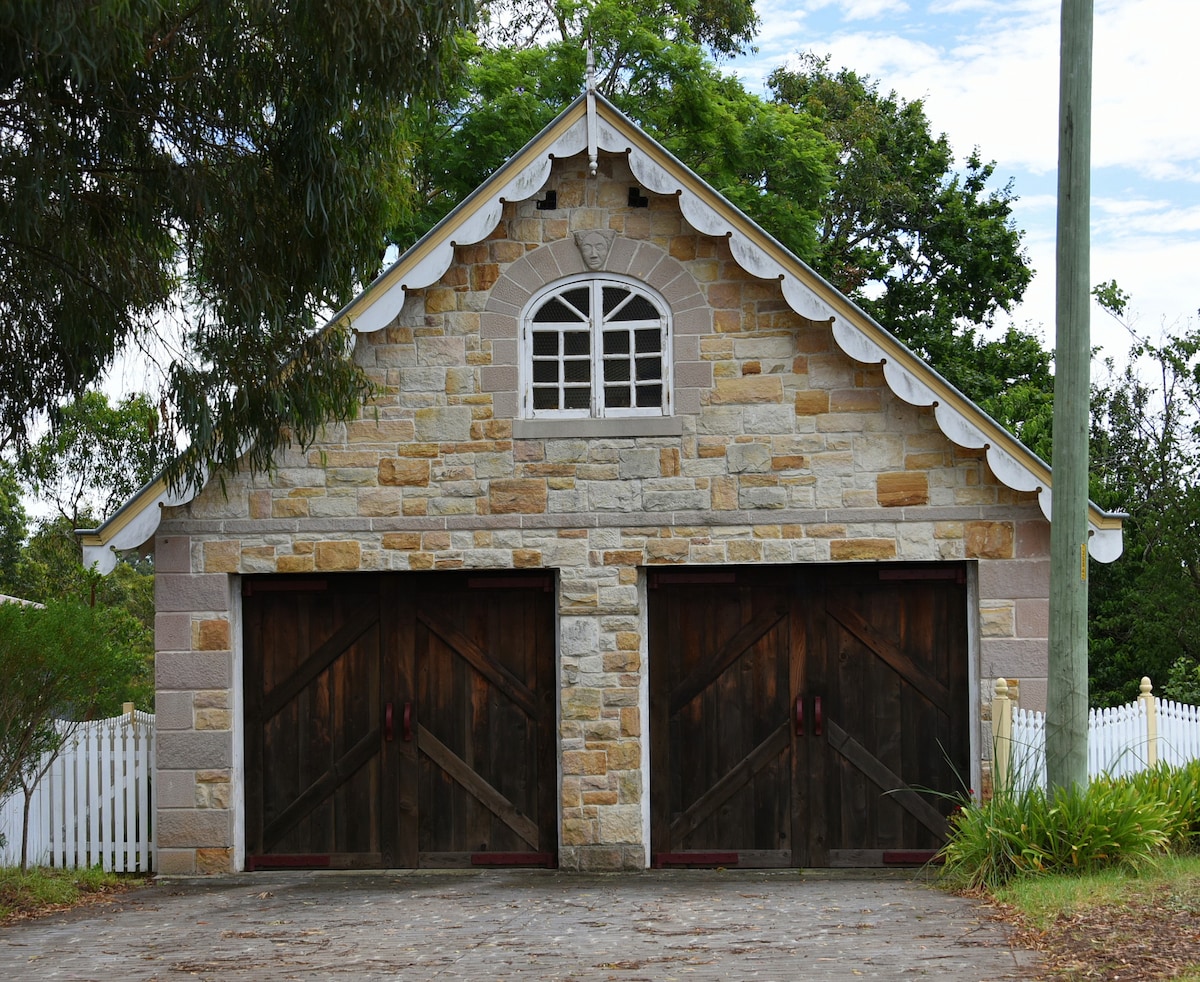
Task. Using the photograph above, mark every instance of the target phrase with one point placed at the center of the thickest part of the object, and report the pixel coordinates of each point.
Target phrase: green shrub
(1183, 681)
(1109, 823)
(1179, 787)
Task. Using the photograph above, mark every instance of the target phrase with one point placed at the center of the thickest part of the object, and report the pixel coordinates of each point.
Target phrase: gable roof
(591, 123)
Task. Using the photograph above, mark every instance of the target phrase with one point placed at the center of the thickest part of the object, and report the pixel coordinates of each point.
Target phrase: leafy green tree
(96, 458)
(50, 569)
(1145, 446)
(923, 246)
(65, 661)
(13, 525)
(1183, 681)
(723, 27)
(89, 465)
(770, 161)
(218, 175)
(97, 455)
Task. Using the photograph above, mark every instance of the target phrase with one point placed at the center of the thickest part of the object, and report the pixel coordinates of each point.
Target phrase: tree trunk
(27, 791)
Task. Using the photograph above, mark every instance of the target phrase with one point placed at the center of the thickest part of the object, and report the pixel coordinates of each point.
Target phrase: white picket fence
(94, 805)
(1121, 740)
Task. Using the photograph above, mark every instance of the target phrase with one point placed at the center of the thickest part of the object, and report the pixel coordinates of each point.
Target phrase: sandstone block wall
(785, 450)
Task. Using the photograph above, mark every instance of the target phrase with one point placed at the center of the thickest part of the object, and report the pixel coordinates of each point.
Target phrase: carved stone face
(594, 245)
(593, 248)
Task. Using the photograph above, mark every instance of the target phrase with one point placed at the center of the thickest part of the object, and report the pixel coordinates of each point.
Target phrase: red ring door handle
(799, 715)
(817, 715)
(408, 722)
(387, 723)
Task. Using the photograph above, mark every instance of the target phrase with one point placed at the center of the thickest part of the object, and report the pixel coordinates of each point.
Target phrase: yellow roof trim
(128, 512)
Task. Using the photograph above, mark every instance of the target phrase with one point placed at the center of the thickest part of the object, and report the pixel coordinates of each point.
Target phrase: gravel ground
(727, 925)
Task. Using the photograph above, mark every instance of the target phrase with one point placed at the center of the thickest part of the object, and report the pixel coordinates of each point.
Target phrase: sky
(987, 73)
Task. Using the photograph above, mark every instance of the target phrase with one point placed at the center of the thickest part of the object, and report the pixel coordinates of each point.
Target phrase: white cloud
(782, 24)
(1165, 220)
(1032, 203)
(870, 9)
(994, 81)
(1142, 73)
(856, 9)
(1166, 170)
(996, 88)
(1159, 274)
(1128, 206)
(1156, 269)
(961, 6)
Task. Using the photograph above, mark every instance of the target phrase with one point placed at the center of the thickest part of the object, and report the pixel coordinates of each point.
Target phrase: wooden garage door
(484, 727)
(794, 713)
(399, 720)
(888, 665)
(720, 755)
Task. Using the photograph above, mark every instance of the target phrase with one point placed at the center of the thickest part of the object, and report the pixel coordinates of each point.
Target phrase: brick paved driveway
(520, 925)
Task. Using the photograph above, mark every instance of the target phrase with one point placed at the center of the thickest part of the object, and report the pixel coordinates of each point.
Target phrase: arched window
(596, 347)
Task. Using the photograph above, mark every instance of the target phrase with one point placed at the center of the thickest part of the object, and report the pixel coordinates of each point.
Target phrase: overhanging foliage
(215, 175)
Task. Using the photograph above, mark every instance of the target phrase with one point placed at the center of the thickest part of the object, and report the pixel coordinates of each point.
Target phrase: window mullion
(597, 326)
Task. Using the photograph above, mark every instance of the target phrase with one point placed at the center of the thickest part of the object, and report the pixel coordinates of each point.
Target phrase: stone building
(651, 548)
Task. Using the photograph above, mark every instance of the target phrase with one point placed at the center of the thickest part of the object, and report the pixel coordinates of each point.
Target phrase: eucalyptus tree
(217, 172)
(724, 27)
(97, 456)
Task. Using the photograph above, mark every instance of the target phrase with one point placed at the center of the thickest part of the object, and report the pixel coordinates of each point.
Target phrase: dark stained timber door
(810, 717)
(888, 668)
(487, 776)
(720, 735)
(397, 720)
(313, 737)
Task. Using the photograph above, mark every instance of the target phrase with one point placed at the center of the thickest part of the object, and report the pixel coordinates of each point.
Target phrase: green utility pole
(1067, 697)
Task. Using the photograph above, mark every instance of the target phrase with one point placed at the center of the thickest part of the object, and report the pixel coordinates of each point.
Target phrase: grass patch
(1115, 924)
(40, 890)
(1172, 885)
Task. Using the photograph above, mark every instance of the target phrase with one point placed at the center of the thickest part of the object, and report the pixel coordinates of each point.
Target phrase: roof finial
(593, 155)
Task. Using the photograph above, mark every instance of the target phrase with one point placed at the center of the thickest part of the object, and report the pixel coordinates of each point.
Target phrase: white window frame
(595, 325)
